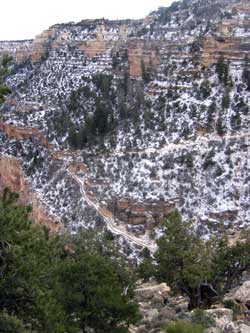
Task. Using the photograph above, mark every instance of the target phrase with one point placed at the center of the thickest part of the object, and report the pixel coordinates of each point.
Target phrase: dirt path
(109, 219)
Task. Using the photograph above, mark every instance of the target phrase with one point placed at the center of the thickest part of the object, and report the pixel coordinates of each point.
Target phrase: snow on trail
(120, 231)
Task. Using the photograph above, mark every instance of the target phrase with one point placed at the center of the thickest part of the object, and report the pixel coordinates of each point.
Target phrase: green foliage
(220, 129)
(100, 119)
(145, 72)
(246, 73)
(6, 60)
(103, 82)
(202, 270)
(222, 69)
(183, 327)
(232, 305)
(199, 317)
(3, 72)
(210, 114)
(205, 89)
(73, 138)
(229, 263)
(27, 254)
(57, 285)
(11, 324)
(179, 256)
(146, 269)
(97, 124)
(88, 296)
(225, 103)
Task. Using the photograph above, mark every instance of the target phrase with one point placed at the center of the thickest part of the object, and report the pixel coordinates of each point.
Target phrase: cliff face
(146, 51)
(159, 129)
(23, 133)
(12, 176)
(230, 38)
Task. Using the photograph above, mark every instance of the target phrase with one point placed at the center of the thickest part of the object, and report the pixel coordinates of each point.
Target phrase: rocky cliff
(12, 177)
(117, 123)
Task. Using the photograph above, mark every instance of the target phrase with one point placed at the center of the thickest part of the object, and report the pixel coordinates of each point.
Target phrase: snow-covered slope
(151, 115)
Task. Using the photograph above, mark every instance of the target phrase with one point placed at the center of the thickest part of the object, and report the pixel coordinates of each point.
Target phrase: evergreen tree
(202, 270)
(236, 121)
(179, 257)
(205, 89)
(222, 69)
(73, 138)
(58, 284)
(147, 268)
(100, 118)
(3, 72)
(225, 103)
(145, 72)
(93, 295)
(246, 73)
(210, 115)
(220, 129)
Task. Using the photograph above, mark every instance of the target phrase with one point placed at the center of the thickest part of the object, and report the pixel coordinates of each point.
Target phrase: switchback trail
(109, 219)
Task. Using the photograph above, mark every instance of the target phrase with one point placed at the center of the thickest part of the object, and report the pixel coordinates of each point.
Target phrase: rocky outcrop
(19, 50)
(147, 213)
(214, 47)
(221, 316)
(23, 133)
(152, 299)
(12, 177)
(241, 296)
(41, 44)
(227, 39)
(95, 47)
(151, 290)
(29, 49)
(148, 52)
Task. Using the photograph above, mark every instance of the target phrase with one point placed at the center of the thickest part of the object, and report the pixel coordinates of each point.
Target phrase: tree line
(203, 270)
(59, 284)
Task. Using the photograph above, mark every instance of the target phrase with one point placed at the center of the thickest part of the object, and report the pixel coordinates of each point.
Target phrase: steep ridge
(11, 176)
(157, 110)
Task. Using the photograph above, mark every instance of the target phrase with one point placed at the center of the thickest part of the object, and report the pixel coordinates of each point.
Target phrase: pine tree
(145, 72)
(222, 69)
(3, 72)
(246, 73)
(210, 114)
(179, 257)
(45, 287)
(73, 138)
(219, 125)
(225, 103)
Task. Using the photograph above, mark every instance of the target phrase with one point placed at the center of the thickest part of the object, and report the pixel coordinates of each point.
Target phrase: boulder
(152, 290)
(151, 315)
(223, 317)
(242, 294)
(167, 313)
(213, 330)
(244, 328)
(180, 303)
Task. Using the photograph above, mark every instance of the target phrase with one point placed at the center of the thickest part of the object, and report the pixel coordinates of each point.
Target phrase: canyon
(171, 134)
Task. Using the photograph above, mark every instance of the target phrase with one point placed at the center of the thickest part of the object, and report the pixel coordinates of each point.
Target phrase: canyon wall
(12, 177)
